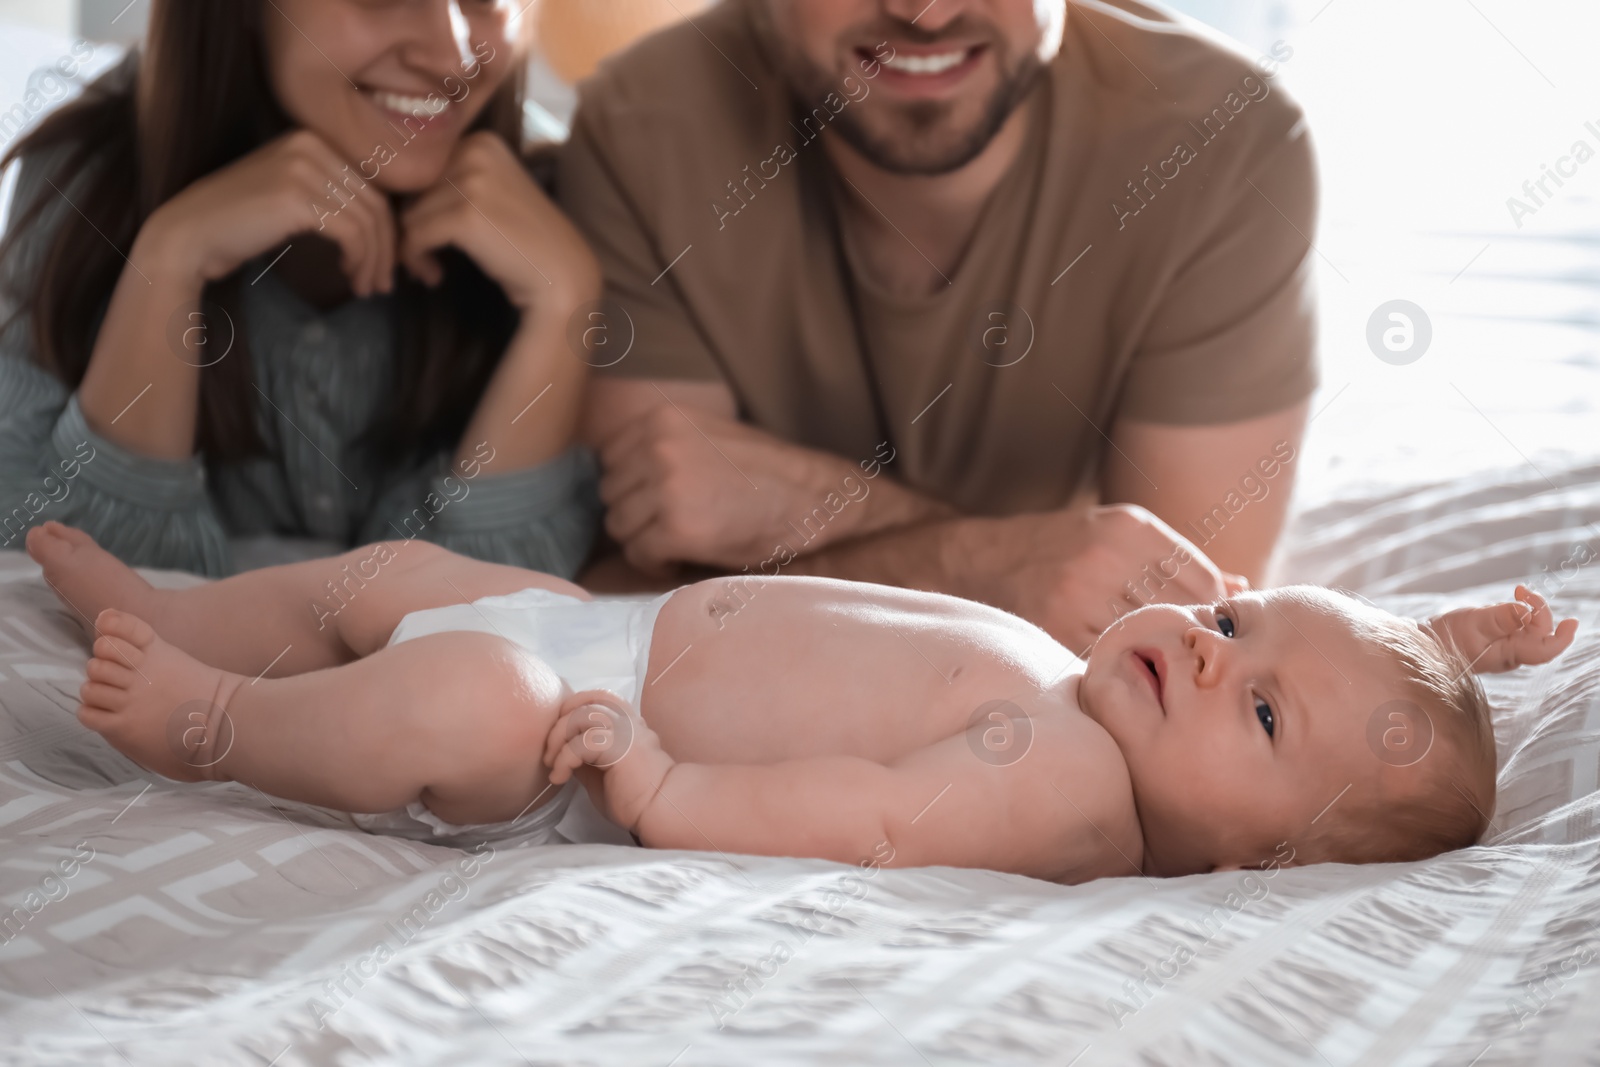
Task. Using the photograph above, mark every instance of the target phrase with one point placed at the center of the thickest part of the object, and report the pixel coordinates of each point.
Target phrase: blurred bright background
(1428, 115)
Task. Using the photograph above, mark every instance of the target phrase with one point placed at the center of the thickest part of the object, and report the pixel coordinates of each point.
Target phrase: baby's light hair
(1451, 809)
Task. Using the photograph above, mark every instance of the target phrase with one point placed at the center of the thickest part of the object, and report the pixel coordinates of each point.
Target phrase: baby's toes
(71, 534)
(110, 672)
(118, 650)
(97, 719)
(124, 625)
(102, 697)
(129, 628)
(45, 548)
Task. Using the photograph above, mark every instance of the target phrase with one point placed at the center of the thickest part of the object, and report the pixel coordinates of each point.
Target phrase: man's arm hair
(614, 403)
(1225, 487)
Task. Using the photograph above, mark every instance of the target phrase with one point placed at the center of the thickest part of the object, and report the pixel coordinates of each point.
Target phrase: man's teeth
(409, 105)
(926, 64)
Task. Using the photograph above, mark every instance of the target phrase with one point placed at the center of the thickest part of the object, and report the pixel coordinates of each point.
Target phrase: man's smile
(925, 71)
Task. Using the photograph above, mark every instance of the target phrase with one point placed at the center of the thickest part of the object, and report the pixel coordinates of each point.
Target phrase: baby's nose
(1206, 646)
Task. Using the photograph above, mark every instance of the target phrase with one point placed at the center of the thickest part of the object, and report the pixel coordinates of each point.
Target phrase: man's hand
(1503, 637)
(690, 486)
(1076, 573)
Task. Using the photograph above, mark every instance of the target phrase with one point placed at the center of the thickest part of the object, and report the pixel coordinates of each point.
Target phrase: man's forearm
(958, 556)
(849, 501)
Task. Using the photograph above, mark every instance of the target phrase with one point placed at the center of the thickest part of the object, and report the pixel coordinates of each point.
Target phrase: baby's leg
(458, 720)
(295, 618)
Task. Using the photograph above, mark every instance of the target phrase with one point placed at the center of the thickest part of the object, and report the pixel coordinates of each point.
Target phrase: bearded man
(1010, 299)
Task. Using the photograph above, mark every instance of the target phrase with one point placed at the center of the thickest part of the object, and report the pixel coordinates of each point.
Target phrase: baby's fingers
(1505, 619)
(1534, 647)
(572, 721)
(1540, 618)
(599, 735)
(563, 752)
(603, 700)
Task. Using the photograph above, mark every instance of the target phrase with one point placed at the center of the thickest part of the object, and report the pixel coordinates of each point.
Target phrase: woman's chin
(398, 180)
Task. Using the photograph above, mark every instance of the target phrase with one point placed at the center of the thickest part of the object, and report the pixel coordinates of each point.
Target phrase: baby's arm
(1061, 813)
(1503, 637)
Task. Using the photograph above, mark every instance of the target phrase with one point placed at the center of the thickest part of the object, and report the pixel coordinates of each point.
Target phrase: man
(1003, 252)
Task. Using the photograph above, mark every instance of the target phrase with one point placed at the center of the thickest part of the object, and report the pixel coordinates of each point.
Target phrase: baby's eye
(1264, 713)
(1225, 624)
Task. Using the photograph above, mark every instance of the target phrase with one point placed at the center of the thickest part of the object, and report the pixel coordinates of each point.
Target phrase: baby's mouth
(1150, 661)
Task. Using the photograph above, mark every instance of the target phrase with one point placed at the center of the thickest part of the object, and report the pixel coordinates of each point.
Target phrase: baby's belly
(743, 671)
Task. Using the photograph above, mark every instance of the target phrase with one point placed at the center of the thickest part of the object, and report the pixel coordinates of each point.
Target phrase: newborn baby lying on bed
(809, 717)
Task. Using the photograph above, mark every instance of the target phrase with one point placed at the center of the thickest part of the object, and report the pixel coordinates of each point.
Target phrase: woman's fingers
(375, 219)
(388, 240)
(376, 225)
(351, 231)
(430, 222)
(354, 221)
(422, 233)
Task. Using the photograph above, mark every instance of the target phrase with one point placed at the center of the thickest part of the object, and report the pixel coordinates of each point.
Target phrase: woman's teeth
(409, 105)
(926, 64)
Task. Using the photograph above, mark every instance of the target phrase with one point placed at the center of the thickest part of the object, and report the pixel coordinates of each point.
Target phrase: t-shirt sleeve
(644, 315)
(1233, 336)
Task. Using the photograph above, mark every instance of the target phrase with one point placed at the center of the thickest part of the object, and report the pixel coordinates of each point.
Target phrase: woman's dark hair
(197, 99)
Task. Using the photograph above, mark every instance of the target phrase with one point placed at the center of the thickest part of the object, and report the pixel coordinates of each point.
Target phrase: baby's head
(1295, 715)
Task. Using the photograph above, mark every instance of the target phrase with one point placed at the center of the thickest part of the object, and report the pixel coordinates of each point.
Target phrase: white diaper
(591, 644)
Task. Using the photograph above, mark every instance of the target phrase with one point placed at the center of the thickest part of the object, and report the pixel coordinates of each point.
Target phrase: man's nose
(928, 17)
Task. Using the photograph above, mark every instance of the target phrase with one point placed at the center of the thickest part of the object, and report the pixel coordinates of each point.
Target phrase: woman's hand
(598, 729)
(487, 205)
(259, 201)
(1503, 637)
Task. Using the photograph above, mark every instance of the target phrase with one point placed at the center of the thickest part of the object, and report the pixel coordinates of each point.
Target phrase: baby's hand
(1503, 637)
(598, 728)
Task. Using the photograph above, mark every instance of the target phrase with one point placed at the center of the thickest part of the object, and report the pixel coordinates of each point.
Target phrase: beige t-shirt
(1146, 256)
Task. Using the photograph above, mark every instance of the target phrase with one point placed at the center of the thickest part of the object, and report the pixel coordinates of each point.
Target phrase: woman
(205, 333)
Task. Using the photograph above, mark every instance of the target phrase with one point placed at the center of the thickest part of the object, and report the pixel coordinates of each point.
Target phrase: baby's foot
(155, 704)
(87, 578)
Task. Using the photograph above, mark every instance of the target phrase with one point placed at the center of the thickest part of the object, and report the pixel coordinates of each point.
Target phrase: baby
(806, 716)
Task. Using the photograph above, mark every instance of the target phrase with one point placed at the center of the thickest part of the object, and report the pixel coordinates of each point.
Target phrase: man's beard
(918, 138)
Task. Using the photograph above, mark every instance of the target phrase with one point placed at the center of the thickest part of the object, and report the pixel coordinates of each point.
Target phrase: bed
(210, 924)
(146, 922)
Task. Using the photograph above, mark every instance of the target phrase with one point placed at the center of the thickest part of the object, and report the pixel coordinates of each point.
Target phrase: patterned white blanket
(148, 922)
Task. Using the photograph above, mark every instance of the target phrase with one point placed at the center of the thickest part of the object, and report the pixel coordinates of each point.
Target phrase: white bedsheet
(215, 925)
